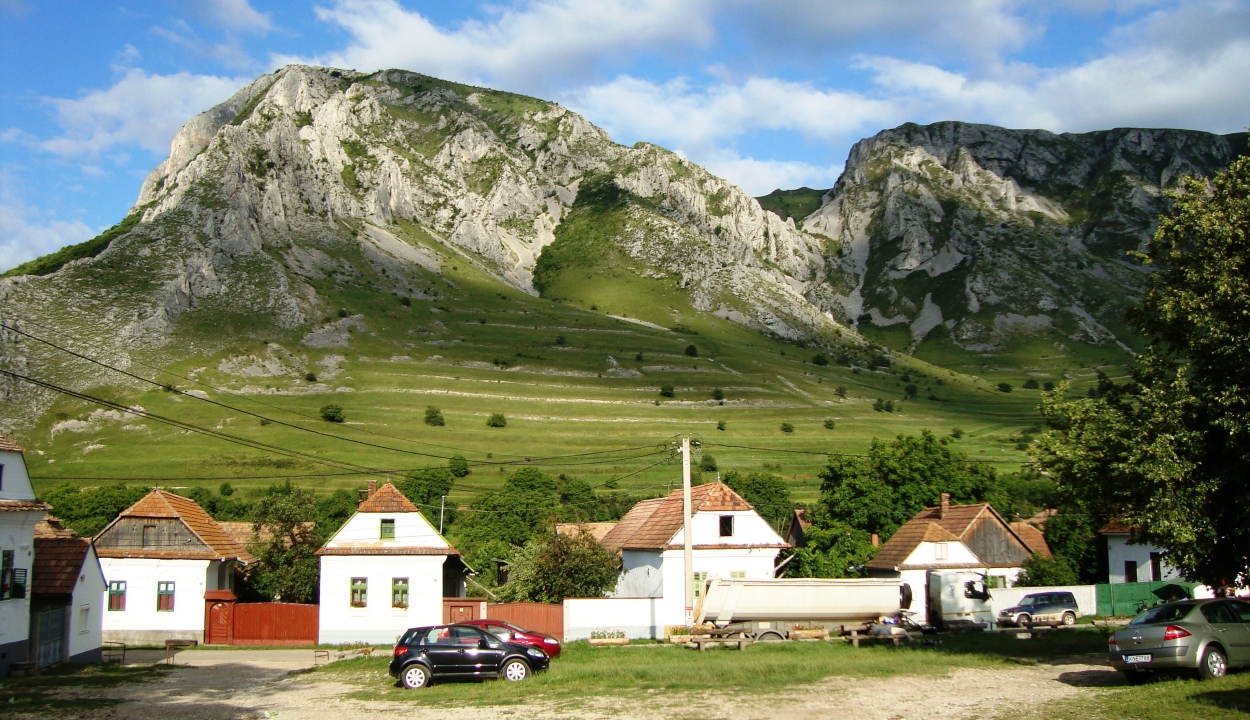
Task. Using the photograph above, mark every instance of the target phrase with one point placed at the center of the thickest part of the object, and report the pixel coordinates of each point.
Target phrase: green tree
(333, 413)
(830, 424)
(434, 417)
(718, 394)
(497, 420)
(549, 569)
(707, 462)
(666, 391)
(1168, 451)
(286, 566)
(1041, 571)
(1030, 384)
(426, 487)
(768, 493)
(820, 360)
(458, 465)
(692, 351)
(787, 427)
(834, 549)
(87, 511)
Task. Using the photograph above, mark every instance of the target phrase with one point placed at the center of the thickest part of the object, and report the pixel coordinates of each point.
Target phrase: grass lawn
(1164, 699)
(593, 671)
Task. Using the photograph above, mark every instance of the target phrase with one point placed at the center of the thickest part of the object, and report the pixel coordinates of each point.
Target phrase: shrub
(888, 406)
(819, 359)
(787, 428)
(840, 391)
(226, 489)
(342, 312)
(718, 394)
(720, 424)
(638, 357)
(1048, 386)
(957, 433)
(1029, 384)
(692, 351)
(496, 420)
(310, 377)
(878, 405)
(458, 466)
(707, 463)
(1004, 387)
(829, 423)
(666, 391)
(405, 301)
(332, 413)
(911, 391)
(560, 340)
(434, 417)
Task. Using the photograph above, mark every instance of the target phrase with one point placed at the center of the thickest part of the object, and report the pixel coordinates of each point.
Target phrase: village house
(19, 513)
(952, 537)
(167, 564)
(386, 570)
(67, 595)
(1129, 561)
(729, 540)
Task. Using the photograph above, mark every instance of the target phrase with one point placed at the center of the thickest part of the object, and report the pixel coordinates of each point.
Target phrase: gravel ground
(247, 685)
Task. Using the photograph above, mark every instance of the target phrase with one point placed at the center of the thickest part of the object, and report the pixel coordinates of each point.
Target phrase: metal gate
(51, 637)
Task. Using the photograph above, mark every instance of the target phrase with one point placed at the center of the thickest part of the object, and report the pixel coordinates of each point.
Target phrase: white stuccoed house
(386, 570)
(19, 513)
(729, 539)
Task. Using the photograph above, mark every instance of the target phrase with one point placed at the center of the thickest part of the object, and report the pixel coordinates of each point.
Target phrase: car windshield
(1031, 600)
(1162, 614)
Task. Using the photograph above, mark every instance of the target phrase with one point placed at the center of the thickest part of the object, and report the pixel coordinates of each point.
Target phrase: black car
(454, 652)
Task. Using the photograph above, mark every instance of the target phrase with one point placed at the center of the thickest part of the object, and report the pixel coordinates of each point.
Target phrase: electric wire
(855, 455)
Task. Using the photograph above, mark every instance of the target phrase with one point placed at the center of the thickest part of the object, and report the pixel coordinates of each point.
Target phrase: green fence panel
(1127, 599)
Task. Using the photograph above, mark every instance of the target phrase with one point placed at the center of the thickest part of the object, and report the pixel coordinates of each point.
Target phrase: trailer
(769, 609)
(958, 600)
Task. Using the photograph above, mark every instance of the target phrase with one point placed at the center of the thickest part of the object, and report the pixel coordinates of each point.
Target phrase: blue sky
(768, 93)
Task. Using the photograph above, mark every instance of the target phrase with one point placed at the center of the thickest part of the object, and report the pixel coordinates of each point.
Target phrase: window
(12, 579)
(700, 579)
(164, 597)
(1156, 566)
(997, 581)
(737, 574)
(388, 529)
(84, 619)
(117, 595)
(399, 592)
(1130, 571)
(726, 525)
(360, 592)
(941, 551)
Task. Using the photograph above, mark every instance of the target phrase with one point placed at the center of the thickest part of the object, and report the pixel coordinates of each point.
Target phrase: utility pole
(442, 503)
(687, 538)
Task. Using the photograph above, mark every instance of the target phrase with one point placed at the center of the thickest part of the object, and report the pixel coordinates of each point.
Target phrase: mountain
(957, 237)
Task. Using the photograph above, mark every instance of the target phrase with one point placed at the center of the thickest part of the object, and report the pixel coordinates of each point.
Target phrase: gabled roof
(8, 444)
(24, 506)
(651, 524)
(387, 499)
(933, 524)
(163, 504)
(597, 530)
(1032, 537)
(57, 565)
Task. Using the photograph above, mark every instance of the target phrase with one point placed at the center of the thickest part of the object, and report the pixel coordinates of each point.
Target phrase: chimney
(945, 506)
(876, 540)
(373, 487)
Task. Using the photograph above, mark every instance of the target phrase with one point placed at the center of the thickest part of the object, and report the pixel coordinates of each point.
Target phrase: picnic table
(173, 645)
(722, 636)
(856, 635)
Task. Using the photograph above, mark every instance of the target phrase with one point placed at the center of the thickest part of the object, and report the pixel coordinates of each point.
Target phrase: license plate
(1136, 658)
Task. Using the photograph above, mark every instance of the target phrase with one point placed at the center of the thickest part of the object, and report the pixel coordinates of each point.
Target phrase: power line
(855, 455)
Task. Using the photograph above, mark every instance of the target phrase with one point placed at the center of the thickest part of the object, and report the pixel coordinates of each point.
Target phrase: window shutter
(19, 583)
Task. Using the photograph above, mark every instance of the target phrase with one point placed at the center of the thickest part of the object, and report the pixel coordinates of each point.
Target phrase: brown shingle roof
(651, 524)
(597, 530)
(387, 499)
(23, 505)
(1032, 537)
(244, 533)
(929, 525)
(50, 527)
(9, 444)
(163, 504)
(58, 562)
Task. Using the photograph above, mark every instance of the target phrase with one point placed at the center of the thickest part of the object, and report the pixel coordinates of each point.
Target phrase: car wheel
(1069, 618)
(1214, 664)
(515, 670)
(1135, 677)
(1024, 620)
(769, 637)
(416, 676)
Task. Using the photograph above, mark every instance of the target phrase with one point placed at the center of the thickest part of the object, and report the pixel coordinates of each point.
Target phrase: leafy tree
(707, 463)
(514, 514)
(334, 510)
(550, 568)
(834, 549)
(1041, 571)
(1029, 384)
(768, 493)
(819, 359)
(957, 433)
(333, 413)
(560, 340)
(286, 567)
(840, 391)
(692, 351)
(1048, 386)
(310, 377)
(666, 391)
(458, 465)
(718, 394)
(497, 420)
(226, 489)
(434, 417)
(787, 427)
(426, 487)
(87, 511)
(880, 492)
(1169, 450)
(911, 390)
(720, 424)
(830, 424)
(1004, 387)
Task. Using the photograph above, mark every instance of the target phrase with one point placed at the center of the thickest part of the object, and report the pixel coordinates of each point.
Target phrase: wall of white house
(748, 529)
(14, 480)
(141, 622)
(411, 530)
(942, 553)
(17, 531)
(378, 621)
(86, 610)
(1120, 551)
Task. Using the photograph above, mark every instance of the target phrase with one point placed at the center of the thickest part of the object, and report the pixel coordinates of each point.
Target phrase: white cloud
(140, 109)
(26, 233)
(236, 15)
(760, 177)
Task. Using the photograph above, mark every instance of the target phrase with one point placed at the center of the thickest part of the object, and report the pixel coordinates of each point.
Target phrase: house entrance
(51, 638)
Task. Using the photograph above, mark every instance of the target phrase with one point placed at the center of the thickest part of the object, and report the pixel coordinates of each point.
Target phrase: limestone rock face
(984, 233)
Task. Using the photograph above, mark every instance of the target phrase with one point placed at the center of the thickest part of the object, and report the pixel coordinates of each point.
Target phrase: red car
(514, 634)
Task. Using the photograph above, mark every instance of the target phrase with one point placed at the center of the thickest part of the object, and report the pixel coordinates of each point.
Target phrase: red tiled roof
(50, 527)
(163, 504)
(58, 562)
(244, 533)
(651, 524)
(1117, 526)
(387, 499)
(597, 530)
(23, 505)
(9, 444)
(379, 549)
(931, 525)
(1032, 537)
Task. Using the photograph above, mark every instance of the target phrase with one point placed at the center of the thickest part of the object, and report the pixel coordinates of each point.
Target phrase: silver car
(1206, 636)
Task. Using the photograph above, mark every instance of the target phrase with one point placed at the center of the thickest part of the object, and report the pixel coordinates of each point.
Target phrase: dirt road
(247, 685)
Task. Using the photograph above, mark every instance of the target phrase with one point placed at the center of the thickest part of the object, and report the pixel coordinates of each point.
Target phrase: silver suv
(1048, 608)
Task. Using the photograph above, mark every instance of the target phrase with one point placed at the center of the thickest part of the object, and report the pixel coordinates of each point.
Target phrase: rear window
(1162, 614)
(412, 636)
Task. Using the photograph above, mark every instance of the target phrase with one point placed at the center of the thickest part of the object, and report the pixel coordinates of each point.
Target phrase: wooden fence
(275, 624)
(539, 617)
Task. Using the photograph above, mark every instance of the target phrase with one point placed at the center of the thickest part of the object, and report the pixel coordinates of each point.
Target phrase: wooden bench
(722, 636)
(173, 645)
(858, 635)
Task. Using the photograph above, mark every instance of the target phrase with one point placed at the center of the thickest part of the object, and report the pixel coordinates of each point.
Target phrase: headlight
(551, 641)
(535, 652)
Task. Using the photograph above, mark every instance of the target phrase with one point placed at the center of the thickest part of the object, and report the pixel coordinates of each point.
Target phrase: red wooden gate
(275, 624)
(220, 621)
(540, 617)
(460, 609)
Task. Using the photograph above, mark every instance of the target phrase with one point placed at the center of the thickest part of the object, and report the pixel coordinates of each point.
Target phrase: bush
(957, 433)
(310, 377)
(332, 413)
(883, 405)
(707, 463)
(458, 466)
(638, 357)
(911, 391)
(1040, 571)
(496, 420)
(1029, 384)
(342, 312)
(1004, 387)
(840, 391)
(434, 417)
(820, 360)
(666, 391)
(787, 428)
(405, 301)
(720, 425)
(692, 351)
(829, 423)
(1048, 386)
(718, 394)
(560, 340)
